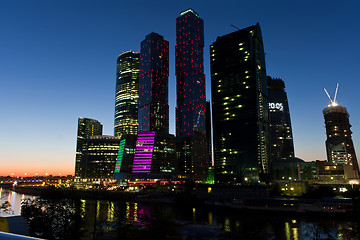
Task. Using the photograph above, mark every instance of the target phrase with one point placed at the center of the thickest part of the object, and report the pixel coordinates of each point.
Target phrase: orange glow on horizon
(33, 172)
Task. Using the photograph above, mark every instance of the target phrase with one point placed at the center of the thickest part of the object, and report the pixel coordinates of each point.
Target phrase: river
(101, 216)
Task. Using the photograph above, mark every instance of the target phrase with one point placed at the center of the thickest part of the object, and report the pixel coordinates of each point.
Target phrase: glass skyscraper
(281, 138)
(153, 84)
(86, 127)
(155, 147)
(126, 99)
(240, 107)
(191, 140)
(190, 77)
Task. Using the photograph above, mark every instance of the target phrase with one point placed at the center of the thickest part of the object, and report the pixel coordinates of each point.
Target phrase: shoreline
(174, 200)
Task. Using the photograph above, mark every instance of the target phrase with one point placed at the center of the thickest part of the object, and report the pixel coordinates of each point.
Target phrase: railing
(10, 236)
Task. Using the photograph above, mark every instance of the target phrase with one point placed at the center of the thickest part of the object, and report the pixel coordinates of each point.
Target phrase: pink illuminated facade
(144, 152)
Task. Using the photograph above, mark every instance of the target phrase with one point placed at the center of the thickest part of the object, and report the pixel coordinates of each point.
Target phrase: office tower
(86, 127)
(339, 145)
(240, 107)
(126, 99)
(100, 153)
(191, 142)
(281, 139)
(155, 147)
(190, 77)
(153, 84)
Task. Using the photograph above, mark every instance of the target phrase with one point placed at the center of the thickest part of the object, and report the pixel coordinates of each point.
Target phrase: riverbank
(284, 206)
(62, 193)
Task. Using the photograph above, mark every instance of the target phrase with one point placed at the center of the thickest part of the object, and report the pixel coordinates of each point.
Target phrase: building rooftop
(187, 11)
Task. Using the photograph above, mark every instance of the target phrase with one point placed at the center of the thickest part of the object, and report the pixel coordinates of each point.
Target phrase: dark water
(102, 217)
(102, 214)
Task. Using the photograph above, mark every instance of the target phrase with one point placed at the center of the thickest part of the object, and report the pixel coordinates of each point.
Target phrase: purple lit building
(191, 140)
(144, 152)
(154, 154)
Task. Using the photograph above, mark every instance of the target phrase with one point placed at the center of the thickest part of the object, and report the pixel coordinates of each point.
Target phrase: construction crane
(333, 102)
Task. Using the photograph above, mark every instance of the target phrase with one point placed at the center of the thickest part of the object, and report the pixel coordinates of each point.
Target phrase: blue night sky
(58, 63)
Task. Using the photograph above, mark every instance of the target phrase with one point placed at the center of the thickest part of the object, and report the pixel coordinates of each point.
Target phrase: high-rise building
(155, 147)
(240, 107)
(153, 84)
(339, 145)
(86, 127)
(191, 143)
(127, 94)
(100, 153)
(190, 77)
(281, 139)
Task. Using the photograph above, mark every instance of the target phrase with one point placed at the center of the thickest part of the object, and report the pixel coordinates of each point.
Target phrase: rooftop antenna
(235, 27)
(332, 102)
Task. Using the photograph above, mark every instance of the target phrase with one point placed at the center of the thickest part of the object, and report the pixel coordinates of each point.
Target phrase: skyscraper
(339, 145)
(190, 77)
(281, 139)
(240, 107)
(153, 84)
(191, 101)
(86, 127)
(126, 99)
(155, 147)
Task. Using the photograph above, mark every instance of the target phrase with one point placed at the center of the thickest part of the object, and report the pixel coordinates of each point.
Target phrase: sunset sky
(58, 63)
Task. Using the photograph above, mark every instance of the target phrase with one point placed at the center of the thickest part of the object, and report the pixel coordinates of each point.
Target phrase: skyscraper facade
(100, 153)
(86, 127)
(339, 145)
(281, 138)
(191, 143)
(190, 77)
(155, 153)
(155, 147)
(153, 84)
(240, 107)
(127, 94)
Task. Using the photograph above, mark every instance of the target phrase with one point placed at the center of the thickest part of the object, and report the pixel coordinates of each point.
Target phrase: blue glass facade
(240, 107)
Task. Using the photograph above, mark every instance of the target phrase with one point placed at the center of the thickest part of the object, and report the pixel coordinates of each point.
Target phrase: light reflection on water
(14, 199)
(102, 215)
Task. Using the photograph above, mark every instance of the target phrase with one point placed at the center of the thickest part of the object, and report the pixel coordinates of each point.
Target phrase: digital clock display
(276, 106)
